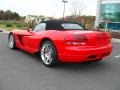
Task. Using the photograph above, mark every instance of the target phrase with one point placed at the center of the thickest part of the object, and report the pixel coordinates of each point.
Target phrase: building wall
(109, 1)
(109, 14)
(31, 19)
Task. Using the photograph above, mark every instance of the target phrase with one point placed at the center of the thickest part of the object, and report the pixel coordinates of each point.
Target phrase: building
(31, 18)
(34, 19)
(108, 14)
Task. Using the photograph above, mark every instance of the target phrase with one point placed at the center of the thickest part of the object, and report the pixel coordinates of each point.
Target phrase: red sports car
(62, 41)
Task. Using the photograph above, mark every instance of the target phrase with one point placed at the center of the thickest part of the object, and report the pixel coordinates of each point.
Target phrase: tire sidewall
(14, 44)
(54, 61)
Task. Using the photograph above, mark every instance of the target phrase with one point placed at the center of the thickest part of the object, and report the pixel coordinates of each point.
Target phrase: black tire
(53, 58)
(87, 62)
(98, 60)
(13, 47)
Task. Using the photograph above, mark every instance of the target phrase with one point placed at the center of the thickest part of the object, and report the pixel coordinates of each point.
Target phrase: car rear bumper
(82, 54)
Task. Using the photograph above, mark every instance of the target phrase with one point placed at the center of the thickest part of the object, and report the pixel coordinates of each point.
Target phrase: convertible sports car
(62, 41)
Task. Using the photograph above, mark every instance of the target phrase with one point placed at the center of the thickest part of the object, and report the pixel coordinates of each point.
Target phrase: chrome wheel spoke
(48, 59)
(46, 53)
(11, 41)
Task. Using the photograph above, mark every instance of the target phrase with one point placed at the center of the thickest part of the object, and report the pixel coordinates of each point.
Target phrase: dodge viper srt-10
(62, 41)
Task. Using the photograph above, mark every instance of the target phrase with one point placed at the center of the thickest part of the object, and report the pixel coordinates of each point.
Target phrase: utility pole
(64, 8)
(98, 14)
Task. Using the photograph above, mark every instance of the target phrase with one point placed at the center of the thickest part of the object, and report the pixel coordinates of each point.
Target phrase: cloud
(43, 7)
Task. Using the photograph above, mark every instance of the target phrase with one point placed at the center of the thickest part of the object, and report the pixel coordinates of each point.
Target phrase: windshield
(72, 26)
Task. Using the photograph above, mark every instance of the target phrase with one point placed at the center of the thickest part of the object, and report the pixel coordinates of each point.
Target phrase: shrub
(19, 25)
(9, 25)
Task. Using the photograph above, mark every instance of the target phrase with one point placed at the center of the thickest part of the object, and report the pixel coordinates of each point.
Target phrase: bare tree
(77, 8)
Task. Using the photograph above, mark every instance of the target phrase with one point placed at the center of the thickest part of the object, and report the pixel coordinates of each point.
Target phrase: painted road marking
(118, 56)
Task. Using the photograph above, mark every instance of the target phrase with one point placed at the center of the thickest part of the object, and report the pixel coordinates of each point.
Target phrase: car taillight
(103, 38)
(76, 39)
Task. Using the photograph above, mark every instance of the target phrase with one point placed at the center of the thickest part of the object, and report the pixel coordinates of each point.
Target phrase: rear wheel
(48, 54)
(98, 60)
(11, 41)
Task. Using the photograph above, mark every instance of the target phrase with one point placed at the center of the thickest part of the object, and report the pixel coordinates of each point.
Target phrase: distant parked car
(1, 30)
(62, 41)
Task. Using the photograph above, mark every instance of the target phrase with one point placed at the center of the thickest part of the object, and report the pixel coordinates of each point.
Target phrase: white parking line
(118, 56)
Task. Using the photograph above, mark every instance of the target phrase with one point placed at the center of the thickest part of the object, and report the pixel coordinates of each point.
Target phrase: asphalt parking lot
(22, 71)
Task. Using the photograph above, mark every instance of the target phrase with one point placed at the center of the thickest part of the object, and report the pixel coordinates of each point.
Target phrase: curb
(5, 32)
(116, 40)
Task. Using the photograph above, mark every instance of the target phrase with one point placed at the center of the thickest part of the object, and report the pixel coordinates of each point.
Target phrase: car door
(31, 41)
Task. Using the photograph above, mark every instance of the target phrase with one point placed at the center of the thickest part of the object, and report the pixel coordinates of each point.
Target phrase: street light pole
(98, 14)
(64, 8)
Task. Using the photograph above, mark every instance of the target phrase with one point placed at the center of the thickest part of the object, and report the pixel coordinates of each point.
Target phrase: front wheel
(11, 41)
(48, 54)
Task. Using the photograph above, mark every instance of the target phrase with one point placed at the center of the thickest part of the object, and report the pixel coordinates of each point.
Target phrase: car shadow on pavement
(100, 65)
(83, 66)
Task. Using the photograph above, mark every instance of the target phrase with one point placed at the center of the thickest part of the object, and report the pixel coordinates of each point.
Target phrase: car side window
(40, 27)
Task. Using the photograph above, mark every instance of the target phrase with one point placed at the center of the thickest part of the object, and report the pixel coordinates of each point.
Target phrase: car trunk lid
(95, 38)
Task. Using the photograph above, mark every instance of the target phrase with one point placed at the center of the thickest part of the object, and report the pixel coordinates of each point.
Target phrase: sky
(53, 8)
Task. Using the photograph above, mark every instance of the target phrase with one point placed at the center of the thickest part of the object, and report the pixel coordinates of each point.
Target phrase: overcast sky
(45, 7)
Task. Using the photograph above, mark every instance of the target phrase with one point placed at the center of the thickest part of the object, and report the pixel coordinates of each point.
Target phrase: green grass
(10, 25)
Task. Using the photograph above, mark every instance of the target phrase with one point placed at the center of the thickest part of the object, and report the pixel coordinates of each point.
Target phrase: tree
(9, 15)
(1, 14)
(77, 8)
(16, 16)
